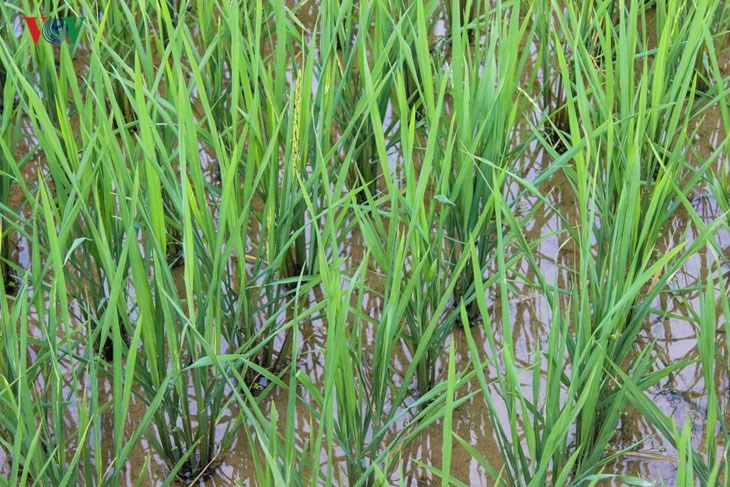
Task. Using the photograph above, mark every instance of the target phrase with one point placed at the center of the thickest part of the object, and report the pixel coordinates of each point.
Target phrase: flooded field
(373, 243)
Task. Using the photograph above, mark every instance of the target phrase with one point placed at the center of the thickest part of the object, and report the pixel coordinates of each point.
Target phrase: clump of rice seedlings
(705, 463)
(214, 38)
(279, 143)
(336, 34)
(241, 175)
(486, 111)
(105, 209)
(49, 380)
(590, 20)
(288, 462)
(364, 170)
(352, 106)
(611, 305)
(59, 148)
(713, 316)
(558, 426)
(359, 403)
(103, 178)
(49, 83)
(552, 88)
(176, 332)
(33, 424)
(543, 454)
(123, 37)
(665, 109)
(27, 427)
(184, 329)
(295, 260)
(426, 284)
(594, 369)
(170, 14)
(155, 146)
(348, 394)
(8, 39)
(89, 165)
(419, 57)
(92, 259)
(135, 83)
(679, 45)
(551, 81)
(416, 239)
(715, 41)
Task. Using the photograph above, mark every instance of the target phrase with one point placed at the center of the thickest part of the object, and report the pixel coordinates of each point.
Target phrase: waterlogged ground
(680, 396)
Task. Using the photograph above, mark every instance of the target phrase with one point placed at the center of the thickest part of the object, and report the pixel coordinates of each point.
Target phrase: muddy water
(680, 396)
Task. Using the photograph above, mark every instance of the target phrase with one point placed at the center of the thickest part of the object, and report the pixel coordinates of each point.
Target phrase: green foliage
(204, 198)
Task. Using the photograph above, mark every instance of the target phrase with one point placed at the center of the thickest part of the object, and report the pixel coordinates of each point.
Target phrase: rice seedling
(709, 465)
(136, 81)
(365, 399)
(82, 171)
(613, 288)
(715, 43)
(590, 18)
(486, 111)
(582, 398)
(551, 85)
(241, 177)
(33, 423)
(351, 104)
(221, 318)
(416, 232)
(278, 122)
(46, 355)
(714, 313)
(185, 431)
(213, 42)
(630, 224)
(7, 34)
(125, 37)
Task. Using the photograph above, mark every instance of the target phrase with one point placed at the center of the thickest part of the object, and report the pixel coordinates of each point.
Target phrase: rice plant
(416, 233)
(486, 110)
(367, 402)
(589, 17)
(715, 44)
(349, 68)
